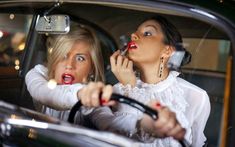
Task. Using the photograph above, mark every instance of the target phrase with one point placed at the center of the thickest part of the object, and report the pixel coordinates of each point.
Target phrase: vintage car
(208, 30)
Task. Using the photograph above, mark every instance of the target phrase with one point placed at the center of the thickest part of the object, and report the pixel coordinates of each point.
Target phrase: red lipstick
(67, 79)
(132, 45)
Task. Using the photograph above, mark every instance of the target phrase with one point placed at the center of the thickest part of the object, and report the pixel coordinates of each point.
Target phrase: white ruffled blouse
(189, 102)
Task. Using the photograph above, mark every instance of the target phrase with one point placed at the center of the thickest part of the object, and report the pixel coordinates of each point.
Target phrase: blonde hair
(62, 44)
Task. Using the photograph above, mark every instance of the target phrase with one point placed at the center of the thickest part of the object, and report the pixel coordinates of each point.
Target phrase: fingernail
(158, 105)
(103, 101)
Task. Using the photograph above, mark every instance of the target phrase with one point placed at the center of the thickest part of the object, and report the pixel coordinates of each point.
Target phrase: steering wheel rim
(122, 99)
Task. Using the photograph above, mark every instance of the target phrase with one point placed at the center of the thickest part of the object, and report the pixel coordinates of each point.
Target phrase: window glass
(13, 33)
(208, 54)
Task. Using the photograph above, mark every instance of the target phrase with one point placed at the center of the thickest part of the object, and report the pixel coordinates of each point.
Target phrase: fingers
(166, 121)
(156, 105)
(130, 65)
(113, 58)
(177, 132)
(95, 94)
(125, 62)
(107, 92)
(167, 124)
(90, 95)
(119, 61)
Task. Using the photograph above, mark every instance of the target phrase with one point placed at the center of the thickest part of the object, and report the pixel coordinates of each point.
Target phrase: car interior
(208, 43)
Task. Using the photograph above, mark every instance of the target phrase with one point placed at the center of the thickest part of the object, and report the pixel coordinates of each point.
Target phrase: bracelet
(138, 126)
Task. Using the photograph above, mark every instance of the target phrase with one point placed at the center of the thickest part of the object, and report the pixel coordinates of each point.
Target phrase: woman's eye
(80, 58)
(147, 34)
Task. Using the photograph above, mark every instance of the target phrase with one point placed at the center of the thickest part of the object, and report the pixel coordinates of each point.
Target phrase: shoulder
(196, 97)
(38, 69)
(190, 87)
(39, 72)
(194, 94)
(183, 84)
(41, 68)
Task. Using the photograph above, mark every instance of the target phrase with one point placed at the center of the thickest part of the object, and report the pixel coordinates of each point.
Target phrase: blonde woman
(74, 59)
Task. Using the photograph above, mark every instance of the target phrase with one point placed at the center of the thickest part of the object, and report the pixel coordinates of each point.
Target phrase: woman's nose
(69, 63)
(134, 36)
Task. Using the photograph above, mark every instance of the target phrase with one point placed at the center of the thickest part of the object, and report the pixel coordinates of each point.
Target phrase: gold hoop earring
(161, 67)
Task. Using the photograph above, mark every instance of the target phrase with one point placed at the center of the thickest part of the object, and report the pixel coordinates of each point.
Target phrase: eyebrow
(84, 54)
(152, 26)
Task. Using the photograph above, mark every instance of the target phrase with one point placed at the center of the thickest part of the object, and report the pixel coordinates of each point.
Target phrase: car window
(207, 69)
(208, 54)
(14, 29)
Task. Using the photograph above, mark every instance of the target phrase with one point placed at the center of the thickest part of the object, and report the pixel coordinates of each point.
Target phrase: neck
(149, 73)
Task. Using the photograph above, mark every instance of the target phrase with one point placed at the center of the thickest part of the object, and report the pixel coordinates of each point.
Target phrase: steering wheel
(123, 99)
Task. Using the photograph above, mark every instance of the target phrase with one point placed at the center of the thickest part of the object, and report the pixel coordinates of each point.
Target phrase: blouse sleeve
(199, 124)
(105, 119)
(62, 97)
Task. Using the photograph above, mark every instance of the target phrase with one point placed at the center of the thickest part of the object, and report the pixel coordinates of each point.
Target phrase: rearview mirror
(53, 24)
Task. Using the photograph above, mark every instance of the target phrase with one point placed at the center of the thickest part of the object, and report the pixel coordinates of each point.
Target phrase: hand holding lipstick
(122, 68)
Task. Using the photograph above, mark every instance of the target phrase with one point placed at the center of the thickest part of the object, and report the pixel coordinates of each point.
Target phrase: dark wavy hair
(172, 37)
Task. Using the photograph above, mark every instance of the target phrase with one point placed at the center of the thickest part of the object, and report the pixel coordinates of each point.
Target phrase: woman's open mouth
(67, 79)
(132, 45)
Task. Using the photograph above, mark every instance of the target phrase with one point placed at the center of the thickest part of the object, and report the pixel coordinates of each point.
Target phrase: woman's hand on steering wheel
(96, 94)
(166, 125)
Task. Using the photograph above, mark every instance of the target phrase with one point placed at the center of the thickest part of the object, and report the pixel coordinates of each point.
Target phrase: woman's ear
(168, 51)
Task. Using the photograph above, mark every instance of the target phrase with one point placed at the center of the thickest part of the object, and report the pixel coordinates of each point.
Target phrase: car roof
(130, 11)
(222, 7)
